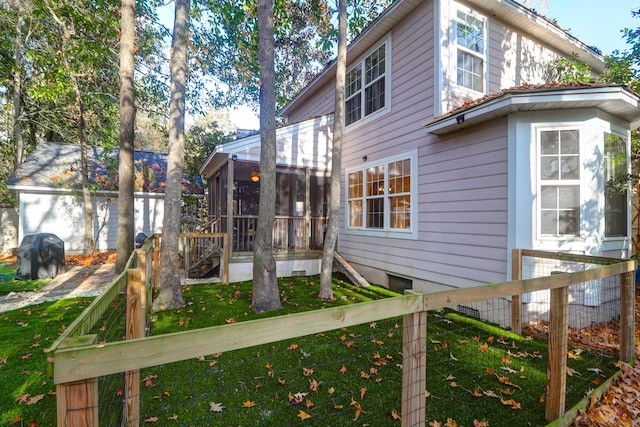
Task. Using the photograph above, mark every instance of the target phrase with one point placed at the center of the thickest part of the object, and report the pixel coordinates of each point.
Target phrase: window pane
(374, 97)
(470, 71)
(375, 213)
(549, 222)
(355, 185)
(568, 222)
(570, 168)
(352, 110)
(355, 213)
(549, 142)
(570, 141)
(353, 82)
(470, 32)
(569, 197)
(374, 65)
(375, 181)
(549, 168)
(549, 197)
(400, 212)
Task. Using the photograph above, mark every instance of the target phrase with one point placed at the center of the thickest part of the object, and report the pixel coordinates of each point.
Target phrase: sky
(594, 22)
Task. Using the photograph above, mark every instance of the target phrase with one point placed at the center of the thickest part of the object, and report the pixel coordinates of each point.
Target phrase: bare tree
(127, 134)
(170, 295)
(265, 280)
(333, 223)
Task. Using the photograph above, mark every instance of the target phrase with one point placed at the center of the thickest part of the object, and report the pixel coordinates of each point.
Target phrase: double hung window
(470, 39)
(366, 85)
(559, 171)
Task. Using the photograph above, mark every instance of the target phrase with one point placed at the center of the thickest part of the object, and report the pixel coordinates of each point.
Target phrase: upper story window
(615, 198)
(367, 85)
(470, 36)
(381, 197)
(559, 183)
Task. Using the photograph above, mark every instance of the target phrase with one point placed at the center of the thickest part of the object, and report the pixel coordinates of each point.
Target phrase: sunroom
(303, 162)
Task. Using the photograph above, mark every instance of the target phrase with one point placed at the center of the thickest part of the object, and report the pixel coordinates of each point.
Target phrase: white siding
(63, 215)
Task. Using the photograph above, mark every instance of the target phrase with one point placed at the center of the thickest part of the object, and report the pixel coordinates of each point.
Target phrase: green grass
(349, 376)
(10, 282)
(24, 336)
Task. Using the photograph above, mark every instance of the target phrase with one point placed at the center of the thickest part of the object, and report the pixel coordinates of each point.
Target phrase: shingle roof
(56, 165)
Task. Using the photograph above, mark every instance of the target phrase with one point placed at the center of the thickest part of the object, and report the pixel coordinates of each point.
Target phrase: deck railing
(290, 234)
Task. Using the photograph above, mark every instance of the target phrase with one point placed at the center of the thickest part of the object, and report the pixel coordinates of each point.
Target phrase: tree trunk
(333, 223)
(89, 242)
(265, 281)
(170, 294)
(125, 243)
(18, 144)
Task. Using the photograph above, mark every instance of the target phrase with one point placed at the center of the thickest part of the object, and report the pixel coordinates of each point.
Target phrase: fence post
(557, 359)
(156, 260)
(135, 328)
(77, 401)
(627, 317)
(414, 365)
(516, 301)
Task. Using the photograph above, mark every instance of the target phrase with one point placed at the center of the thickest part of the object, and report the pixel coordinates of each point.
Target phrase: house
(457, 149)
(48, 186)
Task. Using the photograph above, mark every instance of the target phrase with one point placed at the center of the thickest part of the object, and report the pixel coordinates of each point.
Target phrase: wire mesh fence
(381, 363)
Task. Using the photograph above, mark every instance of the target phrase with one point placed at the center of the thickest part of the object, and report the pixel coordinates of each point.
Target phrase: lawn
(477, 373)
(10, 282)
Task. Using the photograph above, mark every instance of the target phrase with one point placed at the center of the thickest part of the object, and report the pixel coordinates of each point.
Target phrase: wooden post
(187, 256)
(516, 301)
(225, 258)
(557, 359)
(627, 317)
(414, 369)
(77, 401)
(135, 328)
(156, 260)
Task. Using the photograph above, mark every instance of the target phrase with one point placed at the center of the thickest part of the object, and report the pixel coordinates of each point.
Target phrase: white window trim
(581, 147)
(387, 84)
(453, 52)
(412, 231)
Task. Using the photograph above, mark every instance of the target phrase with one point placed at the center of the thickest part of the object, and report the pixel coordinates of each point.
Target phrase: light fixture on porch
(460, 119)
(255, 176)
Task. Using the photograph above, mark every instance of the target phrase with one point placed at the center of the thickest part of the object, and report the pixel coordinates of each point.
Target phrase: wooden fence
(77, 361)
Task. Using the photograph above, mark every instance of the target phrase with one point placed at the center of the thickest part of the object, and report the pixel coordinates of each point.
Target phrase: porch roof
(304, 144)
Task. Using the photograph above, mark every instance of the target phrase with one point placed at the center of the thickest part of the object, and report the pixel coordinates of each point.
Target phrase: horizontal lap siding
(515, 59)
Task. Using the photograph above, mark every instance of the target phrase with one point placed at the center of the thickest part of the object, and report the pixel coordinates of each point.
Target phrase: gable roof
(525, 20)
(56, 166)
(617, 100)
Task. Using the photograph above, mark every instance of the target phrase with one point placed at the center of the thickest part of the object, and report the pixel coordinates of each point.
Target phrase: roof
(525, 20)
(56, 165)
(617, 100)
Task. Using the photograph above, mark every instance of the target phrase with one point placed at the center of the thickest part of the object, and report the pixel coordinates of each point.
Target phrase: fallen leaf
(248, 404)
(343, 369)
(35, 399)
(23, 399)
(394, 414)
(215, 407)
(15, 420)
(151, 420)
(363, 391)
(303, 415)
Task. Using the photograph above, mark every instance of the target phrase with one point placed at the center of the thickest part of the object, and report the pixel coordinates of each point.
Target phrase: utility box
(41, 256)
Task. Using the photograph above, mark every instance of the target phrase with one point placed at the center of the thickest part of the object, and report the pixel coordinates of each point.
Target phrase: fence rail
(78, 361)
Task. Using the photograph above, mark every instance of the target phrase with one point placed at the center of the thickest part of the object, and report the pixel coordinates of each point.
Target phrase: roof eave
(616, 100)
